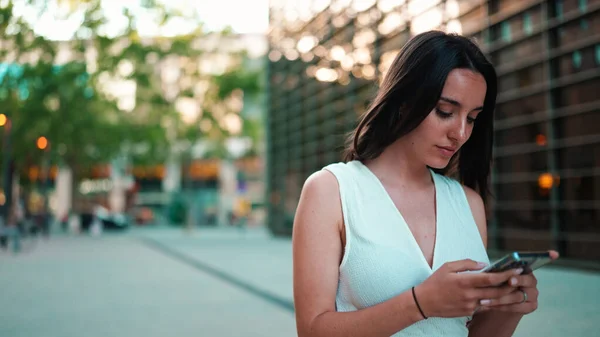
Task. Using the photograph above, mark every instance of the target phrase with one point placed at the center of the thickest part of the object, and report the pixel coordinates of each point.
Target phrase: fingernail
(514, 281)
(519, 271)
(481, 264)
(485, 302)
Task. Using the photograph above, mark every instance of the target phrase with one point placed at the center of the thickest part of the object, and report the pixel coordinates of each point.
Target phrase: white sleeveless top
(382, 258)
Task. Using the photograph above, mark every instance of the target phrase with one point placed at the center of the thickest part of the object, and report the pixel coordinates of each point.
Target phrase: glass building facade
(325, 61)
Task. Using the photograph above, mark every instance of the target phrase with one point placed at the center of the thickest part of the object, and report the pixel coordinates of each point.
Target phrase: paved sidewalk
(211, 282)
(568, 300)
(119, 287)
(252, 256)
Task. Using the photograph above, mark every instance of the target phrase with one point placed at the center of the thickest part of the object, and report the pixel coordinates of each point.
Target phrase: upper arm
(478, 210)
(317, 248)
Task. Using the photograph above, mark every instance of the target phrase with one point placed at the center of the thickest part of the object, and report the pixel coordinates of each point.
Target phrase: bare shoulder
(320, 198)
(478, 210)
(321, 182)
(474, 199)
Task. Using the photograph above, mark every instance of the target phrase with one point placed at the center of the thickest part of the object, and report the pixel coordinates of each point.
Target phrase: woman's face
(449, 125)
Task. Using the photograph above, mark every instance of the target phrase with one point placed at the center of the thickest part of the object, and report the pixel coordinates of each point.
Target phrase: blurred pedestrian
(64, 221)
(242, 211)
(9, 231)
(3, 232)
(381, 241)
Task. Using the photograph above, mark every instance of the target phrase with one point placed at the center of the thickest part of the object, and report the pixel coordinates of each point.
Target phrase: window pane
(576, 56)
(528, 162)
(527, 23)
(520, 51)
(584, 24)
(506, 34)
(521, 79)
(580, 215)
(524, 219)
(579, 157)
(523, 106)
(523, 216)
(582, 246)
(577, 61)
(558, 9)
(574, 31)
(580, 197)
(584, 92)
(578, 125)
(525, 134)
(509, 193)
(569, 6)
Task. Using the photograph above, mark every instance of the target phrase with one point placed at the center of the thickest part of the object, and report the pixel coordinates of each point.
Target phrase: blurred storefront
(325, 59)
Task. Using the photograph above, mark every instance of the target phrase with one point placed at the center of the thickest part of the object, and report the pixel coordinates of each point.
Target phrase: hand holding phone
(529, 261)
(524, 298)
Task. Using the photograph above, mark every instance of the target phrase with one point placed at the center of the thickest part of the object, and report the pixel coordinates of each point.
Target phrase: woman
(381, 242)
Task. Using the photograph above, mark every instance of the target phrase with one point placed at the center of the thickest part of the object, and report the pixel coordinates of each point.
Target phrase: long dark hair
(410, 91)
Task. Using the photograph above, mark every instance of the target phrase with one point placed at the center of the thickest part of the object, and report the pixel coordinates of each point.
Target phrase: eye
(442, 113)
(471, 120)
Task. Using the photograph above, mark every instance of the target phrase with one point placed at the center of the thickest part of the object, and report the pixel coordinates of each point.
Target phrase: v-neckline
(431, 267)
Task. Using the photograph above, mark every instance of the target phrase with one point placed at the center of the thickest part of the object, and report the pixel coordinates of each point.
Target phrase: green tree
(74, 102)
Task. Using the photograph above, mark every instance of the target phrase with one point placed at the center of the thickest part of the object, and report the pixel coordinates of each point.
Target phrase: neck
(397, 164)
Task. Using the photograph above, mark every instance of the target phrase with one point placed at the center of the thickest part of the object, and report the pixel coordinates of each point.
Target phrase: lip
(447, 151)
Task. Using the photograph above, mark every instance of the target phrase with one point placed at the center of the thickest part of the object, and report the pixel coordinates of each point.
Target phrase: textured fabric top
(382, 258)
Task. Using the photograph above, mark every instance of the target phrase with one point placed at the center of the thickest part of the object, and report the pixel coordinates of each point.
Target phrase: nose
(460, 131)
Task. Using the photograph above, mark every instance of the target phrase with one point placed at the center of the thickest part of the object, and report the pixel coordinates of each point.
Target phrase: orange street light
(42, 143)
(3, 119)
(546, 181)
(540, 140)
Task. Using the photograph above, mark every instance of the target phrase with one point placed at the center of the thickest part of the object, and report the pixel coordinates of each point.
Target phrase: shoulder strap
(344, 178)
(453, 193)
(345, 173)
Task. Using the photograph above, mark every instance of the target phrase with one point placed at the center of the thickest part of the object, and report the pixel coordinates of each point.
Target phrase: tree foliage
(75, 101)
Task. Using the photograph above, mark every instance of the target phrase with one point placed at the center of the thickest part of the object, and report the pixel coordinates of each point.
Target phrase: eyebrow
(457, 103)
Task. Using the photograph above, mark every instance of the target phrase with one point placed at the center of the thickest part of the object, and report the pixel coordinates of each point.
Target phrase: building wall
(547, 54)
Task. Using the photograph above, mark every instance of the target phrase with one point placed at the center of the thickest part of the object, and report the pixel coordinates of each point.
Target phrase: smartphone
(529, 261)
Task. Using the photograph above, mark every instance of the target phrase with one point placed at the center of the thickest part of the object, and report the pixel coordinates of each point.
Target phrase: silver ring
(524, 296)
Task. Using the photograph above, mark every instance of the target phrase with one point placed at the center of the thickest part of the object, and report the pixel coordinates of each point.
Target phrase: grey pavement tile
(568, 298)
(119, 285)
(115, 286)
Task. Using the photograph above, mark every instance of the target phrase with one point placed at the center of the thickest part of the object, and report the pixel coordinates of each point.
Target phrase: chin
(438, 163)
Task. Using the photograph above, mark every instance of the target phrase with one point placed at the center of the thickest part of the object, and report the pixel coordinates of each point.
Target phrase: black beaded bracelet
(417, 303)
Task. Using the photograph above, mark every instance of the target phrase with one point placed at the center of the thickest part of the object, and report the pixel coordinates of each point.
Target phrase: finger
(523, 281)
(494, 292)
(554, 254)
(524, 308)
(465, 265)
(515, 297)
(494, 279)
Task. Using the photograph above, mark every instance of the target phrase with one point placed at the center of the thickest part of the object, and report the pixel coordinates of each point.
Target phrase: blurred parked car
(110, 220)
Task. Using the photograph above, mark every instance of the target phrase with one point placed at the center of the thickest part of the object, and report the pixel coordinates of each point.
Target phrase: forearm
(494, 324)
(384, 319)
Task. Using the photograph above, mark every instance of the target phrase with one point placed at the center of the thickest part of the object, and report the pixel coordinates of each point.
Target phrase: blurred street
(164, 281)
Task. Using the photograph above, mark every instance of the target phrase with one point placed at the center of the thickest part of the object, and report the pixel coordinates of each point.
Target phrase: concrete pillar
(172, 179)
(117, 192)
(64, 181)
(227, 190)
